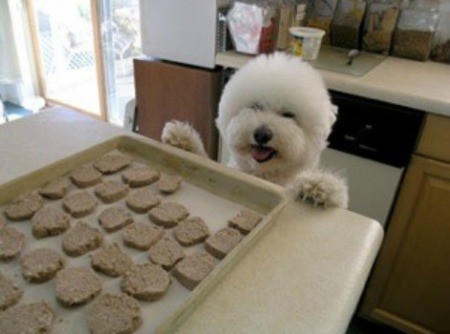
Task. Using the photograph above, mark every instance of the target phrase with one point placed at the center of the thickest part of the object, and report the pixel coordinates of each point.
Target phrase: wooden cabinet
(167, 91)
(410, 285)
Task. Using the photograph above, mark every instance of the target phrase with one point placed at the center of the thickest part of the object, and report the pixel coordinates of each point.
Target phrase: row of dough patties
(110, 260)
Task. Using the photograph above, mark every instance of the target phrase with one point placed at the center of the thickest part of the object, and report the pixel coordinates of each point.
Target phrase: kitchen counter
(420, 85)
(304, 276)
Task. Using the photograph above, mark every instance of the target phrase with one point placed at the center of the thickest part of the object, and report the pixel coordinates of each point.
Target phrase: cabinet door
(410, 285)
(166, 91)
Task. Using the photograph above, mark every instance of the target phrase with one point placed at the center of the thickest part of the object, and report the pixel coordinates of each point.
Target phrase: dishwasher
(371, 145)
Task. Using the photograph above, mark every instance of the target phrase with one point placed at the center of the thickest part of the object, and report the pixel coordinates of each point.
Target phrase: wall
(18, 78)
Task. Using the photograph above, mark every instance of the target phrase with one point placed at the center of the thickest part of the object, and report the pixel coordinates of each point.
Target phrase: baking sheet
(209, 190)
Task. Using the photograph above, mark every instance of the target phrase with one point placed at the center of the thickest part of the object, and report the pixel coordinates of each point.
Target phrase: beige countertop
(420, 85)
(305, 275)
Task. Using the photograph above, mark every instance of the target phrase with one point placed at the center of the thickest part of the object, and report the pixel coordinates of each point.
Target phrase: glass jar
(416, 28)
(441, 44)
(346, 23)
(286, 20)
(380, 24)
(321, 16)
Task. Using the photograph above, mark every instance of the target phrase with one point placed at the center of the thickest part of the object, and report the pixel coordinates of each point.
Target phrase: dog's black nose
(262, 134)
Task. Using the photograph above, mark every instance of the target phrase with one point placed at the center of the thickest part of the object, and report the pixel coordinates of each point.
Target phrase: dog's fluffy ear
(334, 112)
(332, 116)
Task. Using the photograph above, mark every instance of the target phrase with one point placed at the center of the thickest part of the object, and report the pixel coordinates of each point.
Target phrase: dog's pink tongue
(260, 153)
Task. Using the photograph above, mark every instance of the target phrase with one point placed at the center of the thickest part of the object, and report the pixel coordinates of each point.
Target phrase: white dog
(275, 116)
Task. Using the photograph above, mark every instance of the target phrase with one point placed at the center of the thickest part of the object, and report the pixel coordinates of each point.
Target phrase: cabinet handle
(349, 138)
(368, 148)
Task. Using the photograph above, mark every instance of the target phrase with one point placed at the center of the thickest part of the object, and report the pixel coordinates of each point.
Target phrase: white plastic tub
(306, 42)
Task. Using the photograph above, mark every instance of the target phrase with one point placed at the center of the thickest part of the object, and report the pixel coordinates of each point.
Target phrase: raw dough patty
(221, 243)
(76, 285)
(142, 236)
(191, 231)
(9, 293)
(55, 189)
(112, 162)
(194, 268)
(49, 221)
(114, 314)
(111, 191)
(245, 221)
(114, 218)
(111, 260)
(168, 214)
(140, 176)
(41, 264)
(23, 207)
(86, 176)
(146, 282)
(166, 252)
(81, 239)
(11, 243)
(79, 204)
(142, 200)
(168, 184)
(33, 318)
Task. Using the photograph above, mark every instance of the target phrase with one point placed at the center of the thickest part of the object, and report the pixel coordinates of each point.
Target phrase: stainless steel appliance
(371, 144)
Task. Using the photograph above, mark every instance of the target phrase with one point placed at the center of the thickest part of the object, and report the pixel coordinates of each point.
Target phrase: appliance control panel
(376, 130)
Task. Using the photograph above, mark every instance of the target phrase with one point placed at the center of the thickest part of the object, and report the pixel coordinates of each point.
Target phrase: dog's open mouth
(262, 153)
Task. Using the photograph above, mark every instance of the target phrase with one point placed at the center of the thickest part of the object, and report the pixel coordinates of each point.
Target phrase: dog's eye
(256, 106)
(287, 114)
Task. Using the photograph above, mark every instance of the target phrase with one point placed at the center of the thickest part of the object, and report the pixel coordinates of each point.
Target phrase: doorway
(66, 42)
(84, 51)
(121, 43)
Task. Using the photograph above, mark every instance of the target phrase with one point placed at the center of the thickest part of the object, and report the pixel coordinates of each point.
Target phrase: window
(121, 41)
(85, 50)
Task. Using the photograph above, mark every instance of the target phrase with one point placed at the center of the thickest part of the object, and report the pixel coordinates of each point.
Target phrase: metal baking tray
(209, 190)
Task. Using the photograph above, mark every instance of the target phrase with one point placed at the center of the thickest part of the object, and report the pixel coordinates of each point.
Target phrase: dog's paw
(183, 136)
(321, 188)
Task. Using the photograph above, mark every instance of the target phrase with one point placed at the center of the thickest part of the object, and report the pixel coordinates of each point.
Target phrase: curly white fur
(288, 98)
(183, 136)
(320, 187)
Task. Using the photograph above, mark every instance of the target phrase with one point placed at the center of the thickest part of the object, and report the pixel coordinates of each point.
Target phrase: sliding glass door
(85, 51)
(69, 66)
(121, 42)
